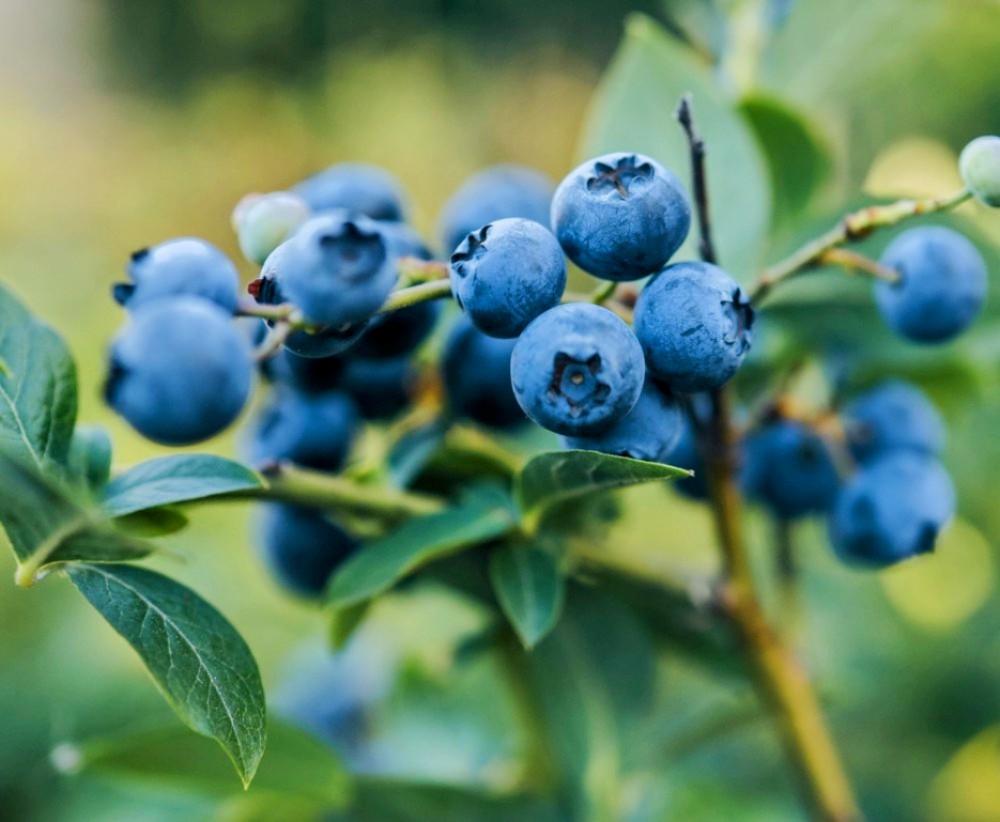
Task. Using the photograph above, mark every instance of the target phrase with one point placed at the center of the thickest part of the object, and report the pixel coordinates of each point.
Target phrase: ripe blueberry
(180, 371)
(621, 216)
(893, 415)
(577, 369)
(649, 431)
(893, 508)
(476, 374)
(381, 389)
(789, 468)
(302, 548)
(310, 375)
(399, 332)
(685, 455)
(494, 194)
(979, 165)
(313, 430)
(186, 266)
(694, 325)
(337, 269)
(506, 273)
(941, 288)
(362, 188)
(265, 221)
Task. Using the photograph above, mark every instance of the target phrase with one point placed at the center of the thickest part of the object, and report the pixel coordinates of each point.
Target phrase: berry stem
(405, 297)
(685, 116)
(413, 270)
(299, 486)
(854, 262)
(604, 292)
(616, 306)
(854, 226)
(779, 677)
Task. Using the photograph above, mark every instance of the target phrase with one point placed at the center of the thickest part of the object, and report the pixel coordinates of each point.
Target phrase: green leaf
(798, 157)
(89, 458)
(410, 454)
(345, 622)
(594, 678)
(176, 479)
(200, 663)
(153, 522)
(530, 590)
(37, 387)
(481, 517)
(297, 764)
(558, 476)
(634, 111)
(46, 526)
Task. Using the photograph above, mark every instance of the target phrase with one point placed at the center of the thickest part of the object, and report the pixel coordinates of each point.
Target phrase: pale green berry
(980, 169)
(265, 221)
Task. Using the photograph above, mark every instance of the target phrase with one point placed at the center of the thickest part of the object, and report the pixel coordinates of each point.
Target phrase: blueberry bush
(397, 441)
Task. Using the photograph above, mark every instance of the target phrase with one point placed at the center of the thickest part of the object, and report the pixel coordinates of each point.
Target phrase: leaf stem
(852, 227)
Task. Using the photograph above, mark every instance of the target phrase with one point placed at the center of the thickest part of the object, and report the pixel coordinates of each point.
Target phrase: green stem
(854, 226)
(780, 677)
(405, 297)
(603, 292)
(299, 486)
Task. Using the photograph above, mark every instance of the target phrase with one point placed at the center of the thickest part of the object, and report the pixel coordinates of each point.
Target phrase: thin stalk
(853, 226)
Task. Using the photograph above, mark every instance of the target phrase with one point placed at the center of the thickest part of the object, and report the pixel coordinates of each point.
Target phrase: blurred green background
(128, 123)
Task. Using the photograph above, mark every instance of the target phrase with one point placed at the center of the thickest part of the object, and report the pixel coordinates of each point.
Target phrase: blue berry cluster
(331, 251)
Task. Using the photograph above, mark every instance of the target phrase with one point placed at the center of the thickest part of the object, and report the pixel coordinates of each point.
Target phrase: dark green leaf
(379, 565)
(176, 479)
(553, 478)
(345, 622)
(201, 664)
(593, 678)
(153, 522)
(46, 526)
(297, 764)
(384, 799)
(411, 453)
(37, 387)
(530, 590)
(89, 458)
(634, 111)
(798, 157)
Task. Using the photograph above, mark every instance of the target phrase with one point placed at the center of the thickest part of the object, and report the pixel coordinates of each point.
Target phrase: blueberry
(789, 468)
(942, 284)
(893, 415)
(893, 508)
(266, 221)
(302, 548)
(337, 269)
(380, 388)
(979, 165)
(649, 431)
(577, 369)
(506, 273)
(268, 289)
(476, 374)
(186, 266)
(366, 189)
(694, 324)
(399, 332)
(310, 375)
(685, 455)
(313, 430)
(621, 216)
(180, 371)
(494, 194)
